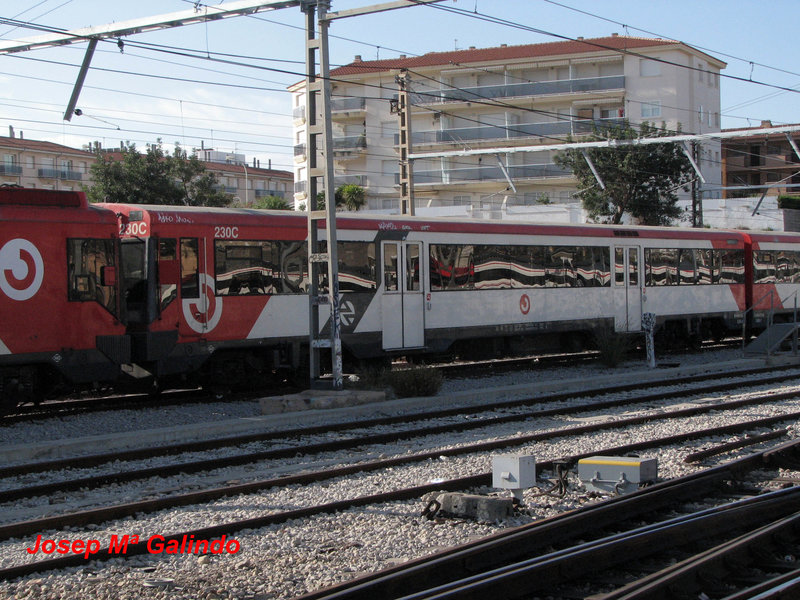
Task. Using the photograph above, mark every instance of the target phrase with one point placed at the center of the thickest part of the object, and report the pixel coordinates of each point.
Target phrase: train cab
(61, 325)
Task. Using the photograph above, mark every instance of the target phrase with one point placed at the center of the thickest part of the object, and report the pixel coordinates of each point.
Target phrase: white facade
(504, 97)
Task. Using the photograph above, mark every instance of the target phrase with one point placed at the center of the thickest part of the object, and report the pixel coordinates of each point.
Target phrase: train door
(402, 303)
(196, 289)
(137, 287)
(628, 282)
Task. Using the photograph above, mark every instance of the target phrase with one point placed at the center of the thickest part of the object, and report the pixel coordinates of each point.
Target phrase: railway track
(95, 516)
(759, 460)
(306, 440)
(788, 373)
(601, 546)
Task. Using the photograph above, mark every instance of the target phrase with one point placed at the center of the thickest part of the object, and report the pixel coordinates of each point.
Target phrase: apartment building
(505, 97)
(753, 164)
(247, 183)
(45, 165)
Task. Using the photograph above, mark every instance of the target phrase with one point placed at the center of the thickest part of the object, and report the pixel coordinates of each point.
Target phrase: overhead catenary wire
(303, 74)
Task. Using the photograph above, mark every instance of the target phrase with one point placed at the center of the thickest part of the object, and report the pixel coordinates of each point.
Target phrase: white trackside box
(620, 474)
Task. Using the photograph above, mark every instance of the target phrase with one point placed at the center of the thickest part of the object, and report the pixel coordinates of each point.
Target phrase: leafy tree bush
(348, 197)
(154, 177)
(641, 179)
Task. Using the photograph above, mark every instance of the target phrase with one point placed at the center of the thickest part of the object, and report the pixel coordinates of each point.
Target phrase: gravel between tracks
(285, 560)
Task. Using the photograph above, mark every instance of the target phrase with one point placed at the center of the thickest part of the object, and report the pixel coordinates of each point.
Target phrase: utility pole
(697, 198)
(319, 143)
(403, 110)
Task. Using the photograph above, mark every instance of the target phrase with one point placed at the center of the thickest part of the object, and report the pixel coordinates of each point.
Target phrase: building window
(651, 109)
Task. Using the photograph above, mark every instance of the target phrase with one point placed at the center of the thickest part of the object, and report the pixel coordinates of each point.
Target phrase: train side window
(390, 252)
(86, 260)
(190, 283)
(243, 268)
(731, 266)
(763, 267)
(686, 267)
(786, 266)
(619, 266)
(356, 267)
(452, 267)
(591, 266)
(661, 266)
(633, 267)
(705, 266)
(290, 261)
(412, 267)
(559, 269)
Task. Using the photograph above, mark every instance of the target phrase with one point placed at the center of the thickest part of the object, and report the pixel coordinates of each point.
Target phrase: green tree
(154, 177)
(348, 197)
(641, 180)
(351, 196)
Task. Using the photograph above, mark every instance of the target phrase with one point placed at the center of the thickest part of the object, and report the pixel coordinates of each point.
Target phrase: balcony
(60, 174)
(227, 189)
(523, 130)
(516, 90)
(351, 104)
(349, 145)
(10, 169)
(488, 173)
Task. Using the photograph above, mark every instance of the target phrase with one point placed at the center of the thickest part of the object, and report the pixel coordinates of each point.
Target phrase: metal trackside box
(620, 474)
(513, 472)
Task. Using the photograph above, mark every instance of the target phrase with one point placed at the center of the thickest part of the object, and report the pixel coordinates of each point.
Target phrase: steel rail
(350, 443)
(695, 483)
(544, 572)
(520, 543)
(172, 449)
(723, 559)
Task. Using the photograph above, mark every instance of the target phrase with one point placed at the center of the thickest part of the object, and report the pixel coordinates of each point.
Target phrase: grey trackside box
(513, 471)
(620, 474)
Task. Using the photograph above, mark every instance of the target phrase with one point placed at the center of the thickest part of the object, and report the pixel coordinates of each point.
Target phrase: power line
(626, 26)
(515, 25)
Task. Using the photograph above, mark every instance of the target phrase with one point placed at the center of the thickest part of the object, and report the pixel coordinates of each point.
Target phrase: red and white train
(102, 294)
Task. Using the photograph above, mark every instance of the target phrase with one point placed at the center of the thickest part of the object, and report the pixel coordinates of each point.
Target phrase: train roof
(34, 204)
(259, 217)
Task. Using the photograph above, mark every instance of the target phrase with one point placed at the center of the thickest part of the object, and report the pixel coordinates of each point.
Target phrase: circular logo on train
(203, 314)
(525, 304)
(21, 269)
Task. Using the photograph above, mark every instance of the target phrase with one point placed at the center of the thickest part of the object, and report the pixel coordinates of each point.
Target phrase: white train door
(402, 301)
(628, 282)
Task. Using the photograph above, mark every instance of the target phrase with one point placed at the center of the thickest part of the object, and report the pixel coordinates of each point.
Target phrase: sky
(141, 94)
